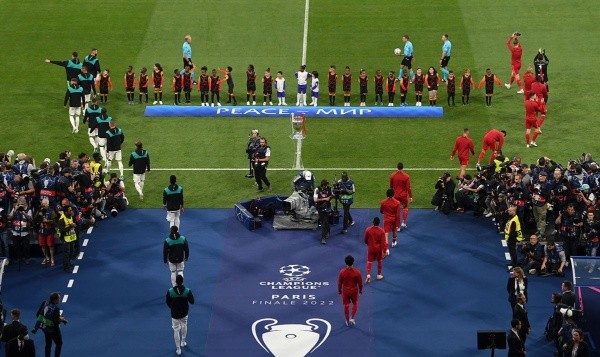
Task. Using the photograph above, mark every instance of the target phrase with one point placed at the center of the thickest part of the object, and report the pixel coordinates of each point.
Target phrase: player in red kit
(492, 140)
(463, 145)
(375, 241)
(400, 182)
(516, 52)
(528, 80)
(541, 92)
(390, 208)
(532, 107)
(349, 286)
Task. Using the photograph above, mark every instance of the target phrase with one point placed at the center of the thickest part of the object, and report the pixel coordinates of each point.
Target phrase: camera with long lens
(114, 212)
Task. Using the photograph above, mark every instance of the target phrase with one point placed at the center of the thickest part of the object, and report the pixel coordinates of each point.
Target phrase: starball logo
(294, 288)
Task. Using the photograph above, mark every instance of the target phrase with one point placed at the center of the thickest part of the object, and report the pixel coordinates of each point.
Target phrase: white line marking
(305, 38)
(61, 312)
(65, 298)
(75, 269)
(89, 231)
(308, 168)
(80, 256)
(70, 284)
(503, 242)
(85, 242)
(507, 255)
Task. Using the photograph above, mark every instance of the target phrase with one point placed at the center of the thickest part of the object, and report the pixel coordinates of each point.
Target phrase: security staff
(322, 197)
(261, 161)
(512, 234)
(346, 196)
(253, 144)
(66, 226)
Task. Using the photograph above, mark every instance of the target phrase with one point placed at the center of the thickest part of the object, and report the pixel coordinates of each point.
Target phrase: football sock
(445, 72)
(369, 264)
(146, 96)
(481, 155)
(512, 78)
(519, 83)
(160, 96)
(535, 135)
(404, 215)
(527, 138)
(140, 99)
(411, 74)
(155, 96)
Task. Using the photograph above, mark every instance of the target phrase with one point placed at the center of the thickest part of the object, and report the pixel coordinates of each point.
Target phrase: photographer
(533, 255)
(344, 190)
(44, 223)
(539, 199)
(67, 229)
(322, 197)
(554, 259)
(253, 144)
(115, 195)
(570, 223)
(20, 220)
(469, 193)
(499, 209)
(443, 199)
(65, 187)
(591, 238)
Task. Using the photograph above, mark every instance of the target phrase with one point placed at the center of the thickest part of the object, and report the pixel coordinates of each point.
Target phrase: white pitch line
(65, 298)
(507, 255)
(80, 256)
(85, 242)
(75, 269)
(503, 242)
(89, 231)
(305, 37)
(70, 284)
(391, 169)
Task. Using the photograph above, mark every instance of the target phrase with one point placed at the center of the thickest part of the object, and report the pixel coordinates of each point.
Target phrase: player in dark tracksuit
(72, 66)
(76, 100)
(88, 83)
(93, 63)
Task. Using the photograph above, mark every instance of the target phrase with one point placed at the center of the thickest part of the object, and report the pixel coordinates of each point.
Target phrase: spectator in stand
(554, 259)
(533, 255)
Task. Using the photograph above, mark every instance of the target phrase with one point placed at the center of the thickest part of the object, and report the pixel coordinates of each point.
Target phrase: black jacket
(175, 249)
(178, 300)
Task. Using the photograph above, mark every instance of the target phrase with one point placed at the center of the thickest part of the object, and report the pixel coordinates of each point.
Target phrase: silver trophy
(291, 340)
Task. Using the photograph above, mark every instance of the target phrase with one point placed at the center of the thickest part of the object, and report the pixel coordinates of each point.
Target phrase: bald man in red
(492, 140)
(390, 209)
(375, 241)
(400, 182)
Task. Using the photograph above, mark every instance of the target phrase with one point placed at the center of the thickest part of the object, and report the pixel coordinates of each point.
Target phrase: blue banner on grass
(277, 111)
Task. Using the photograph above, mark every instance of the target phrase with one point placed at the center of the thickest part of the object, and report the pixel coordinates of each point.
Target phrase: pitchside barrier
(277, 111)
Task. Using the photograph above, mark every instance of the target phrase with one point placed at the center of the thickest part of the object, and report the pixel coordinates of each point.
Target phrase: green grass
(269, 34)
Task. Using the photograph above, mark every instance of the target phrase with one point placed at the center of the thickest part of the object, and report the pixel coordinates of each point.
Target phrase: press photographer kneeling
(443, 199)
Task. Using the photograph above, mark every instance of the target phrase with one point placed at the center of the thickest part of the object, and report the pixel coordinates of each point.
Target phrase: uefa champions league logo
(294, 272)
(291, 340)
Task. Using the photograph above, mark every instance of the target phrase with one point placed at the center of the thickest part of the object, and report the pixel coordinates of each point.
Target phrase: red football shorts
(403, 201)
(374, 256)
(389, 226)
(487, 145)
(464, 160)
(46, 240)
(531, 124)
(516, 67)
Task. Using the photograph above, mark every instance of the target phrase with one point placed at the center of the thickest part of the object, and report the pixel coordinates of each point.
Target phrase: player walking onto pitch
(350, 286)
(532, 108)
(516, 51)
(302, 77)
(400, 182)
(390, 209)
(76, 100)
(375, 241)
(463, 145)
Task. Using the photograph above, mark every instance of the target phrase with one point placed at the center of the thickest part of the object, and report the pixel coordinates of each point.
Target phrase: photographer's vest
(347, 198)
(515, 219)
(498, 163)
(261, 153)
(95, 170)
(70, 236)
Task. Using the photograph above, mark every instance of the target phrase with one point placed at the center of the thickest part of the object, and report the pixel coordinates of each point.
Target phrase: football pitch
(269, 34)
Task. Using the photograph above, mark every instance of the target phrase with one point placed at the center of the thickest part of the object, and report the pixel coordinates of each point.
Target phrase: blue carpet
(275, 111)
(444, 281)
